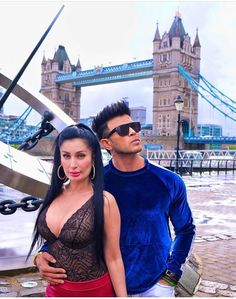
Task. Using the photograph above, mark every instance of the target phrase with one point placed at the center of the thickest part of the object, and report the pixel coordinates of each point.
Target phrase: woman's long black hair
(55, 188)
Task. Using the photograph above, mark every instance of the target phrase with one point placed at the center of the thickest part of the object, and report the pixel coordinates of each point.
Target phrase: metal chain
(28, 204)
(45, 129)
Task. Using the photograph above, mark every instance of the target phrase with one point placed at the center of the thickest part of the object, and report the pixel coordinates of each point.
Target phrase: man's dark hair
(111, 111)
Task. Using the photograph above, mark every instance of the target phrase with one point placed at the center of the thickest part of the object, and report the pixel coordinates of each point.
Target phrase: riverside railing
(190, 166)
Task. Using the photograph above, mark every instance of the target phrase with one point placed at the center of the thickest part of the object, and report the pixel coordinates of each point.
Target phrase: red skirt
(101, 287)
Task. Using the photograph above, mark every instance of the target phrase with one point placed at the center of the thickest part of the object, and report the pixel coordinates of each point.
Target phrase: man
(148, 197)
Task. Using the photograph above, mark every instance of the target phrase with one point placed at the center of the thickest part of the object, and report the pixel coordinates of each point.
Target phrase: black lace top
(74, 249)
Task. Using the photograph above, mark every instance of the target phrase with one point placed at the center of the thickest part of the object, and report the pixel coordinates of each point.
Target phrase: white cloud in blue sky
(113, 32)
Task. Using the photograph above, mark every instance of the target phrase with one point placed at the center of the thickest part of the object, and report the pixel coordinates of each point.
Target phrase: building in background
(139, 114)
(147, 130)
(209, 130)
(172, 49)
(65, 95)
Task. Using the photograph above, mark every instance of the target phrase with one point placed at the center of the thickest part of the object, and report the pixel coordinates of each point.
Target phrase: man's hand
(52, 275)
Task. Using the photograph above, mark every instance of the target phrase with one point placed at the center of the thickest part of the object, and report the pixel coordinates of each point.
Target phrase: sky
(114, 32)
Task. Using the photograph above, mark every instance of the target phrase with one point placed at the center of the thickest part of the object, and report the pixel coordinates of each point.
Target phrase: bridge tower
(65, 95)
(171, 49)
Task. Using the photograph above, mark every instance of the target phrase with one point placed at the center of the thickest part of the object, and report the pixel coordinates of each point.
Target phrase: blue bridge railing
(210, 140)
(100, 75)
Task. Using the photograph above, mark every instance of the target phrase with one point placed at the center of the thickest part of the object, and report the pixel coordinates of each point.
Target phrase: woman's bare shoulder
(108, 197)
(109, 201)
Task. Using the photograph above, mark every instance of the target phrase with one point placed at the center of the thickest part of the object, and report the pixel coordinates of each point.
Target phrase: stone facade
(66, 96)
(172, 49)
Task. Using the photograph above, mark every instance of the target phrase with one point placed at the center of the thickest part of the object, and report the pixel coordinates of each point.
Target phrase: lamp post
(179, 104)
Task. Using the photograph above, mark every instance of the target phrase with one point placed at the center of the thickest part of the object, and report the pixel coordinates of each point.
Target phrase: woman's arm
(112, 252)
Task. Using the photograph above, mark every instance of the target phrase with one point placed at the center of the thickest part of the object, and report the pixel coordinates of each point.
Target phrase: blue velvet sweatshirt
(148, 199)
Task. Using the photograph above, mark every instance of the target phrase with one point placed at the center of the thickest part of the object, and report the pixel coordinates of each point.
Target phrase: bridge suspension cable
(211, 94)
(19, 121)
(14, 125)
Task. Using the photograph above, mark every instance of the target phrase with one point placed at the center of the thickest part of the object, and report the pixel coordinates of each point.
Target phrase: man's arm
(52, 275)
(182, 220)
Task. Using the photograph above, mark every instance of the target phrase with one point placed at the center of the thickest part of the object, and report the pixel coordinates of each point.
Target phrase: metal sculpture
(20, 170)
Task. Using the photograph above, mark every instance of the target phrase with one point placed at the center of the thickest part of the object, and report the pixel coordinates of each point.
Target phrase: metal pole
(16, 79)
(177, 147)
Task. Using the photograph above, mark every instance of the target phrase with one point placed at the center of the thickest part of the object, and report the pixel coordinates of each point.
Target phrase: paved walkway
(217, 254)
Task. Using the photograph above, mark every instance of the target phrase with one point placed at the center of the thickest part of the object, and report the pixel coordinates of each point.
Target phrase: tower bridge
(175, 71)
(62, 81)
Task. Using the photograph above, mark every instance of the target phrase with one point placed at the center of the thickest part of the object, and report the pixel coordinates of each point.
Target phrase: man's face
(129, 144)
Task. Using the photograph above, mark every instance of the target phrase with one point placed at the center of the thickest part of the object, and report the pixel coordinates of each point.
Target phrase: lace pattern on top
(74, 248)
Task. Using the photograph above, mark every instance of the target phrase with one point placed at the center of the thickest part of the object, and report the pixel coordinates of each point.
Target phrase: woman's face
(76, 159)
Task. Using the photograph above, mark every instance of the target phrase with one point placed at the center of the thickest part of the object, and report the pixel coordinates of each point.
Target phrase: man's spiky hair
(111, 111)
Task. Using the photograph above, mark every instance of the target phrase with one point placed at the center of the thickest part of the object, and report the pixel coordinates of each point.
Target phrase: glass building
(209, 130)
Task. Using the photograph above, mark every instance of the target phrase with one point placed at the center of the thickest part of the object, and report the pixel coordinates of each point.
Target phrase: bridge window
(67, 104)
(164, 121)
(164, 57)
(168, 121)
(160, 121)
(165, 44)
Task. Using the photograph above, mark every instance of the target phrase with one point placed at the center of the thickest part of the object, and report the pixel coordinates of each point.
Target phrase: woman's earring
(58, 173)
(93, 173)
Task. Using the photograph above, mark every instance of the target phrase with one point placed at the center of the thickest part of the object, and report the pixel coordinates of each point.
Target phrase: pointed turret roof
(44, 60)
(78, 65)
(157, 34)
(196, 41)
(177, 28)
(60, 56)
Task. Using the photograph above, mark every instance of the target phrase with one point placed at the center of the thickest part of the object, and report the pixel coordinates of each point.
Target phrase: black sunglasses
(123, 130)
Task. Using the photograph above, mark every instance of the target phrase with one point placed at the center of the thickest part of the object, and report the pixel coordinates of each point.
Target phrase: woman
(80, 221)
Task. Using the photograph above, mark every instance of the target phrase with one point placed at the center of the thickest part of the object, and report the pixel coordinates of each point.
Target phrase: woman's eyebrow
(81, 151)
